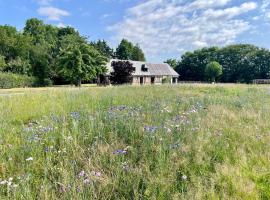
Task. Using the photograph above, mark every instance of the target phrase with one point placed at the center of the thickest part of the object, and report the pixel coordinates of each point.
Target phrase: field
(162, 142)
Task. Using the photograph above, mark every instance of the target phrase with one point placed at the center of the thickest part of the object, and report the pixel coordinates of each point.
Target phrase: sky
(163, 28)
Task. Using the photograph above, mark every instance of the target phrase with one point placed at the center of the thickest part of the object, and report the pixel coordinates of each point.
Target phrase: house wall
(147, 80)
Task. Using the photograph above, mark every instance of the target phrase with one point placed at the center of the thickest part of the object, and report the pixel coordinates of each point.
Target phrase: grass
(163, 142)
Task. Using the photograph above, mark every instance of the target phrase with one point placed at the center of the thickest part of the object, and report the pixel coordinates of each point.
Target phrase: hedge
(9, 80)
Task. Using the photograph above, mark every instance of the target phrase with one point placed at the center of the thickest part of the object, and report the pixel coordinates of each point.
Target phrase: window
(144, 68)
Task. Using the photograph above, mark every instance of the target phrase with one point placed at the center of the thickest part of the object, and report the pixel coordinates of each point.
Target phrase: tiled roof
(153, 69)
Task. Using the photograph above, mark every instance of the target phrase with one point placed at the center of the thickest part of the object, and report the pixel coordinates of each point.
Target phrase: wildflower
(120, 152)
(86, 181)
(82, 174)
(98, 174)
(184, 177)
(150, 129)
(3, 182)
(174, 146)
(75, 115)
(30, 159)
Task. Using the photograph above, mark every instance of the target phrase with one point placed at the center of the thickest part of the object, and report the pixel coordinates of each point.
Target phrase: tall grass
(164, 142)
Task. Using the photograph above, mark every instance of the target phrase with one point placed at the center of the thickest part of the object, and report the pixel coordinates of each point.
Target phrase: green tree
(172, 62)
(127, 51)
(124, 50)
(18, 66)
(137, 54)
(103, 48)
(213, 70)
(79, 61)
(192, 64)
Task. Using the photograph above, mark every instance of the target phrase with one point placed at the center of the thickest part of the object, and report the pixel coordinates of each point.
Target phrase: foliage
(137, 54)
(241, 63)
(9, 80)
(166, 80)
(18, 66)
(2, 63)
(103, 48)
(181, 142)
(213, 70)
(127, 51)
(122, 71)
(172, 62)
(79, 61)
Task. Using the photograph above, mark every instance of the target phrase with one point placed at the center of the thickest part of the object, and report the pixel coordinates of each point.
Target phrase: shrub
(9, 80)
(166, 80)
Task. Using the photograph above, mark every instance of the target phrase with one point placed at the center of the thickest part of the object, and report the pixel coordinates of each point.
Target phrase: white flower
(184, 177)
(3, 182)
(30, 159)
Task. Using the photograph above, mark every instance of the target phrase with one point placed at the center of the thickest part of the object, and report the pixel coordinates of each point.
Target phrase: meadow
(152, 142)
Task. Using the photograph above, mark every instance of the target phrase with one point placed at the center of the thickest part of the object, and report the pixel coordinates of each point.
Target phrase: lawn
(152, 142)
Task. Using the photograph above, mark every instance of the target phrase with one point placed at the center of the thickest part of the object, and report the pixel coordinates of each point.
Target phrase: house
(148, 73)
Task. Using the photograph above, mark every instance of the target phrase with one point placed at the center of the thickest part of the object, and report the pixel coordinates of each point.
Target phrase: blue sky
(163, 28)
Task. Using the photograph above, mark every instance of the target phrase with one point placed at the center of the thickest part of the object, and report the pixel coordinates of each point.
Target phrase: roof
(153, 69)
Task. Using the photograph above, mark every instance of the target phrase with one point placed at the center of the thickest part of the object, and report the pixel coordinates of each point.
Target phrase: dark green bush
(9, 80)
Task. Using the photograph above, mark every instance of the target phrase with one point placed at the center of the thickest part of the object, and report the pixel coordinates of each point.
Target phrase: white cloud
(165, 26)
(52, 13)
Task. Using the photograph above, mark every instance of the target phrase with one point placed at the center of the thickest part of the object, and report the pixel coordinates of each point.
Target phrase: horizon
(163, 28)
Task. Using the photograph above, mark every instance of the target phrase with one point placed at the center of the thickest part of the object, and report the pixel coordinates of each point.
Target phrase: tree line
(58, 55)
(240, 63)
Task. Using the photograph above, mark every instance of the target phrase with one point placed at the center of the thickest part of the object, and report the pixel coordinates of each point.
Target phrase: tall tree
(103, 48)
(124, 50)
(137, 53)
(79, 61)
(127, 51)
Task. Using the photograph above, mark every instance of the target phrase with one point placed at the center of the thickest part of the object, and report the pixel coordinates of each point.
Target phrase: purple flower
(150, 129)
(120, 152)
(82, 174)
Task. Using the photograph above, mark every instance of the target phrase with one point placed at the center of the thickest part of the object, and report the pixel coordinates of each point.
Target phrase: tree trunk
(79, 82)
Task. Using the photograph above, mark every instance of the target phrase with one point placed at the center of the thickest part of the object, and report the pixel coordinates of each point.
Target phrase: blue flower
(75, 115)
(150, 129)
(120, 152)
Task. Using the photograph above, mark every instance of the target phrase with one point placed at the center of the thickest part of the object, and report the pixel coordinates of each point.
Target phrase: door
(141, 80)
(152, 80)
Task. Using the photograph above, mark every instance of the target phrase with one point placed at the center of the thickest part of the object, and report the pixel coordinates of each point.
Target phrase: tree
(122, 71)
(127, 51)
(172, 62)
(103, 48)
(79, 61)
(213, 70)
(192, 64)
(124, 50)
(137, 54)
(18, 66)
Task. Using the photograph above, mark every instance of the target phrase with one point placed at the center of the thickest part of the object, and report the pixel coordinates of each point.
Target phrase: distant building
(148, 73)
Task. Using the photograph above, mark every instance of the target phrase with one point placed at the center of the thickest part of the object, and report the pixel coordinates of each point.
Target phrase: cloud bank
(172, 26)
